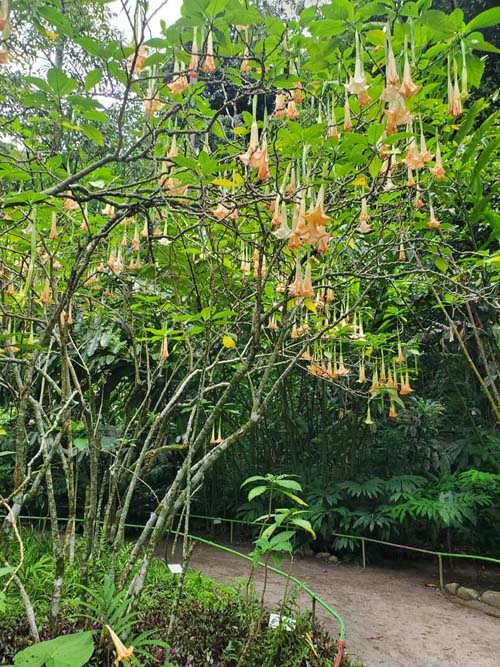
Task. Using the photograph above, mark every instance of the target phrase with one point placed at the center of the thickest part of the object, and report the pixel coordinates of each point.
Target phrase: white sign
(275, 620)
(217, 522)
(175, 568)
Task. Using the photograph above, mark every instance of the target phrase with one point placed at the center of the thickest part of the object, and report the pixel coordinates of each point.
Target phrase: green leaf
(340, 10)
(93, 133)
(93, 47)
(440, 22)
(57, 18)
(66, 651)
(60, 83)
(441, 264)
(305, 525)
(93, 78)
(256, 491)
(327, 28)
(485, 19)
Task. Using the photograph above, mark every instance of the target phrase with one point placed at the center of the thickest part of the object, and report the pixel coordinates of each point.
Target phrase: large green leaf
(66, 651)
(60, 83)
(485, 19)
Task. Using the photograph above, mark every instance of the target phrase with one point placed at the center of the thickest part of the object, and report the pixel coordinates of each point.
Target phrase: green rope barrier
(222, 547)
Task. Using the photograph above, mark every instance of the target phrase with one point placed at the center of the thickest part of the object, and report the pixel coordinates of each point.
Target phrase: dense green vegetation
(262, 241)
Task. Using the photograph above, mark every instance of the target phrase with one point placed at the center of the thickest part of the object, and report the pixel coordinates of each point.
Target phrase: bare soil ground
(393, 619)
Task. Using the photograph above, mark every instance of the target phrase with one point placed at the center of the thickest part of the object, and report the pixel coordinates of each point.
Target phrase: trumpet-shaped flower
(137, 60)
(433, 221)
(194, 62)
(438, 170)
(317, 216)
(209, 62)
(283, 232)
(408, 88)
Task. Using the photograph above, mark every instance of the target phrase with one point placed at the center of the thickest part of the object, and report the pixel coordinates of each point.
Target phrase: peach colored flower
(222, 212)
(433, 221)
(53, 226)
(408, 88)
(178, 84)
(209, 63)
(317, 215)
(298, 93)
(122, 652)
(364, 217)
(137, 60)
(396, 113)
(391, 70)
(194, 62)
(245, 63)
(438, 170)
(363, 227)
(347, 115)
(152, 105)
(291, 111)
(280, 105)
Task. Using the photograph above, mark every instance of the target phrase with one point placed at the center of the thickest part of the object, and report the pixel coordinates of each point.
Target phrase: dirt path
(392, 619)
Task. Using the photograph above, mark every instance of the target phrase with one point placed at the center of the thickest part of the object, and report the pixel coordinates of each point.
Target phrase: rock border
(491, 598)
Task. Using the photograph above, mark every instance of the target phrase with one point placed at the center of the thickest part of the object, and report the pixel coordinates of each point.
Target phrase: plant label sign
(175, 568)
(276, 619)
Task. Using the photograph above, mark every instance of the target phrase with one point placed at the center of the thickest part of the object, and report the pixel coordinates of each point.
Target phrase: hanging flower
(296, 286)
(283, 232)
(152, 105)
(433, 221)
(45, 296)
(396, 114)
(364, 227)
(332, 124)
(298, 93)
(375, 385)
(402, 252)
(291, 111)
(454, 97)
(222, 212)
(69, 203)
(408, 88)
(280, 105)
(179, 81)
(317, 216)
(122, 652)
(194, 61)
(410, 181)
(392, 409)
(4, 13)
(438, 170)
(405, 385)
(368, 419)
(400, 359)
(419, 202)
(164, 353)
(137, 60)
(347, 115)
(245, 63)
(53, 227)
(391, 69)
(108, 211)
(209, 63)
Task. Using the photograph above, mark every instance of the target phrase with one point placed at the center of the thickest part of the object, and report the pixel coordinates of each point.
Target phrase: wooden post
(363, 551)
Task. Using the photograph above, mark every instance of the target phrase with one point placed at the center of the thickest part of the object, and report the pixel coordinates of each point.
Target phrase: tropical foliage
(243, 235)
